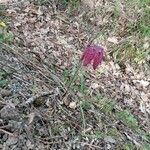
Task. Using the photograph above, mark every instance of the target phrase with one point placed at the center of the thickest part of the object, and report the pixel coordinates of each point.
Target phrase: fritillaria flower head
(92, 54)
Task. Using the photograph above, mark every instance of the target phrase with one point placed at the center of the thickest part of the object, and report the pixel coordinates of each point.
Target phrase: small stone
(72, 105)
(108, 146)
(109, 139)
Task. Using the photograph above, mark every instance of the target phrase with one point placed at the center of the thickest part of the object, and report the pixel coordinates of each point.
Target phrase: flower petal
(97, 59)
(92, 52)
(87, 57)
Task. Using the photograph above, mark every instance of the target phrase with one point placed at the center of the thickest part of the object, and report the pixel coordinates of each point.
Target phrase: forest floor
(41, 43)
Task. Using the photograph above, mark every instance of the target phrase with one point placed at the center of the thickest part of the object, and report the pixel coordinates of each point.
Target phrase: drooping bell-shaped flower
(92, 54)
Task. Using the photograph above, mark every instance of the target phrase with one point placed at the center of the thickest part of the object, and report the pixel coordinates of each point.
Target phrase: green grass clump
(135, 29)
(105, 105)
(127, 118)
(128, 51)
(143, 24)
(6, 37)
(143, 2)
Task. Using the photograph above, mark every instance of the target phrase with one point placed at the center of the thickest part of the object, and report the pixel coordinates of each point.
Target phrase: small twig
(5, 126)
(133, 140)
(62, 19)
(9, 133)
(32, 99)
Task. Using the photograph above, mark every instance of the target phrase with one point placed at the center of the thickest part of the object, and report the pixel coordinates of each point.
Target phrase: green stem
(74, 77)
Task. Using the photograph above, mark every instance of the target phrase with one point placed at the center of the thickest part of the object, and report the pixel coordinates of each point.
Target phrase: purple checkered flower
(92, 54)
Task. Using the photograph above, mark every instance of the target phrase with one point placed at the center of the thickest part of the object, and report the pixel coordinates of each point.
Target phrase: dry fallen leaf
(31, 117)
(113, 40)
(4, 92)
(144, 97)
(144, 83)
(146, 45)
